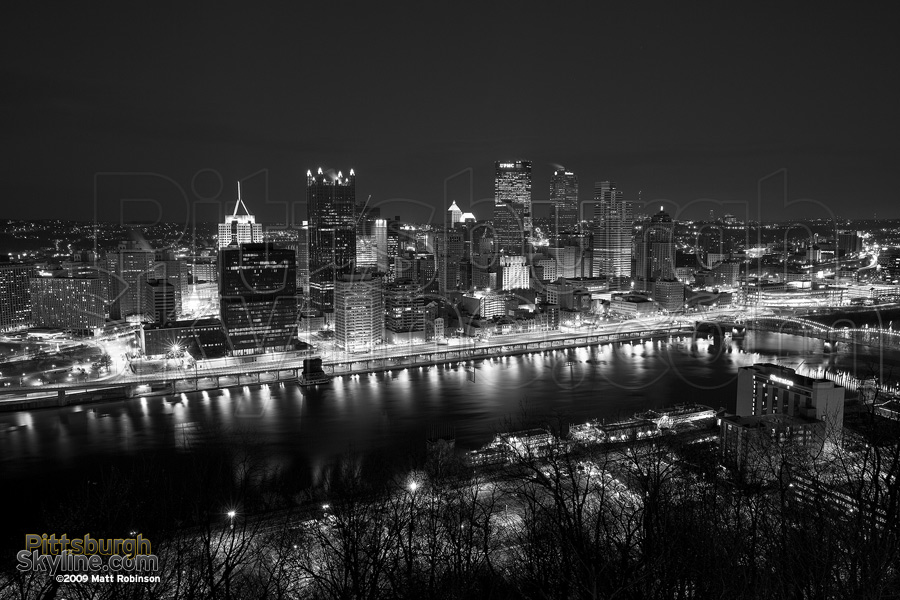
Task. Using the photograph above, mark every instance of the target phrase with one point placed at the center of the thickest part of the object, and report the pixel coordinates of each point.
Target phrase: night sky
(681, 104)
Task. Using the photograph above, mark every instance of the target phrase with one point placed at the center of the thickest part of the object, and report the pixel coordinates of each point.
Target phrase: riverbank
(281, 373)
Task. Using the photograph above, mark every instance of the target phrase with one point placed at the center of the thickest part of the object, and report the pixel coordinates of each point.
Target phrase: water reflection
(304, 429)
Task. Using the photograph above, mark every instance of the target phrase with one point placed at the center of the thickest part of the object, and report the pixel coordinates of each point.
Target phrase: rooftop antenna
(363, 210)
(240, 202)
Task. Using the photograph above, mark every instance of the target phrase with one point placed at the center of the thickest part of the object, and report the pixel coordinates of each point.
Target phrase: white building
(240, 229)
(358, 312)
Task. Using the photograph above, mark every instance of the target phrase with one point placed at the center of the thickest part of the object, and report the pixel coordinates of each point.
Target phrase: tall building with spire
(455, 214)
(563, 201)
(613, 222)
(240, 229)
(331, 203)
(512, 206)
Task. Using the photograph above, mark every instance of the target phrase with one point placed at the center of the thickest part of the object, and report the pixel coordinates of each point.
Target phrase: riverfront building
(358, 312)
(258, 297)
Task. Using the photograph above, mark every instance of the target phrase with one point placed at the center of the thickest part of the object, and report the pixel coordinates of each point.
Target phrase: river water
(303, 430)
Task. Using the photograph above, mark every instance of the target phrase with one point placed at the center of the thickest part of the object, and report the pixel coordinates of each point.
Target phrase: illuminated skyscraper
(240, 229)
(564, 201)
(654, 251)
(15, 295)
(512, 206)
(258, 297)
(331, 202)
(613, 222)
(358, 312)
(455, 214)
(128, 270)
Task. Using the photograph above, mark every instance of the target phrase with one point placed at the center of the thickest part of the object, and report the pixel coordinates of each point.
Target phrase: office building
(331, 202)
(160, 301)
(258, 298)
(358, 312)
(74, 304)
(455, 214)
(514, 273)
(512, 206)
(129, 268)
(654, 249)
(564, 209)
(201, 338)
(404, 312)
(15, 295)
(613, 223)
(174, 270)
(239, 229)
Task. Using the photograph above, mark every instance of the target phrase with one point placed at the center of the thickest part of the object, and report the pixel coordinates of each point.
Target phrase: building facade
(331, 203)
(613, 224)
(15, 295)
(564, 209)
(75, 304)
(358, 313)
(512, 206)
(258, 298)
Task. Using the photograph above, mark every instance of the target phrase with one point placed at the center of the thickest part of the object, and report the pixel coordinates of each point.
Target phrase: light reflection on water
(305, 428)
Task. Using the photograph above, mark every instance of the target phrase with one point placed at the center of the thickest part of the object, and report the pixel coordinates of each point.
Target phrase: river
(302, 431)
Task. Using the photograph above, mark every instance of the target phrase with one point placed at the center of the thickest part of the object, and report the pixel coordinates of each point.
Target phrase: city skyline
(690, 105)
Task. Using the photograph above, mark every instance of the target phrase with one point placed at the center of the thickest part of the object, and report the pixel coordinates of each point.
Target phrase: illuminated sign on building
(781, 380)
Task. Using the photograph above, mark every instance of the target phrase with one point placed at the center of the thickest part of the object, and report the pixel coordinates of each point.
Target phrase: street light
(231, 515)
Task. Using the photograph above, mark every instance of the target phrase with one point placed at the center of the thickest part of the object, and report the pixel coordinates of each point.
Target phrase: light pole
(231, 515)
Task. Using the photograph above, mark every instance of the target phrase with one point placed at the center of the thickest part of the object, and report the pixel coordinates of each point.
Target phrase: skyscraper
(331, 202)
(258, 303)
(564, 201)
(240, 229)
(512, 206)
(613, 222)
(358, 312)
(455, 214)
(129, 268)
(654, 248)
(15, 295)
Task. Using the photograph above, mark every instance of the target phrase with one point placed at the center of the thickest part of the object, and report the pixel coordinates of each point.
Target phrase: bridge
(883, 337)
(289, 369)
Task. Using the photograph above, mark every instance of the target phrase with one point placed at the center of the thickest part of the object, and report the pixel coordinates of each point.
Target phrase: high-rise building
(613, 223)
(15, 295)
(563, 201)
(455, 214)
(258, 297)
(358, 312)
(76, 304)
(404, 311)
(240, 229)
(174, 270)
(654, 248)
(331, 202)
(514, 273)
(303, 258)
(160, 301)
(129, 268)
(512, 206)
